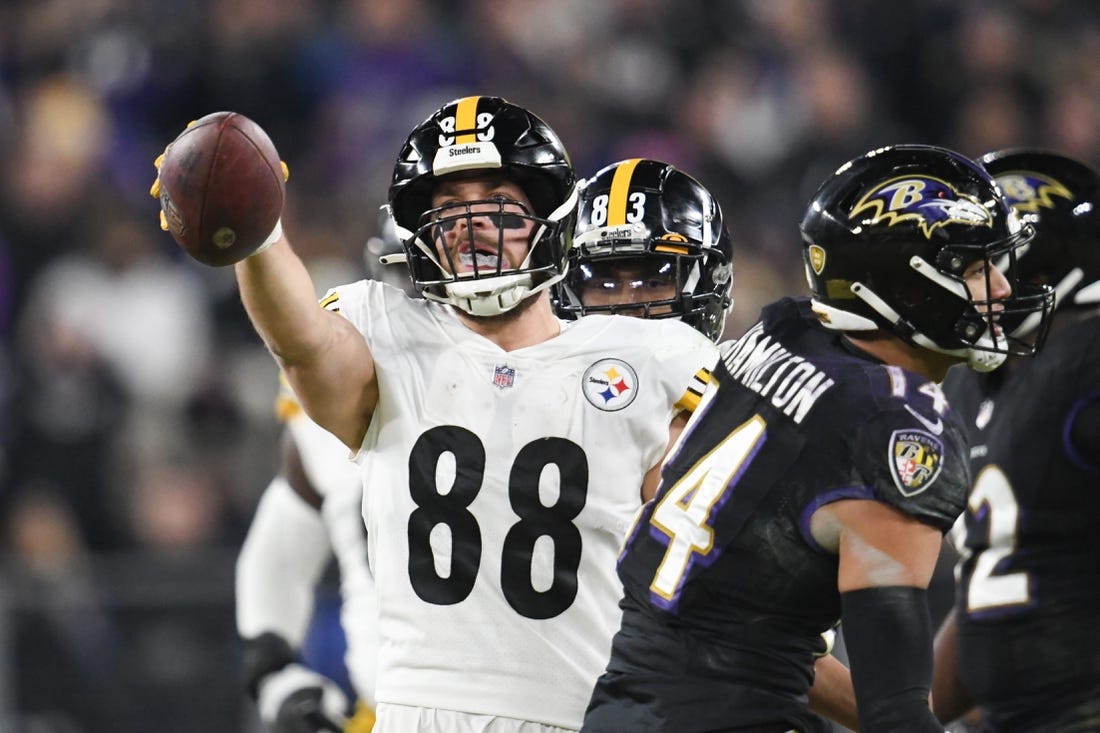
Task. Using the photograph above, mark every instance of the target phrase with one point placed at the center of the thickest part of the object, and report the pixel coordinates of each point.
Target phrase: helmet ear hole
(950, 261)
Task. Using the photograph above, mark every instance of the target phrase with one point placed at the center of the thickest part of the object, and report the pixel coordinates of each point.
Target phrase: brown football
(221, 188)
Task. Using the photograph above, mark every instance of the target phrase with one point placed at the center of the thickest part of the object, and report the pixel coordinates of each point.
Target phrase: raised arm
(221, 188)
(325, 359)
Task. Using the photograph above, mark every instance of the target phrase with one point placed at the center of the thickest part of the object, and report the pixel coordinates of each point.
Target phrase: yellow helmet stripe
(466, 119)
(620, 186)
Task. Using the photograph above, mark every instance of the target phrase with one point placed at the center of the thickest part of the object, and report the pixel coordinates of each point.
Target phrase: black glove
(295, 699)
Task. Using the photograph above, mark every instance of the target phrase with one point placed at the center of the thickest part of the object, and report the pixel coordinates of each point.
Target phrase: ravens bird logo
(1028, 192)
(929, 202)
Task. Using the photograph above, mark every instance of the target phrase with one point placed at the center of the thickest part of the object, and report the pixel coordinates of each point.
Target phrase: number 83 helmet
(888, 237)
(650, 241)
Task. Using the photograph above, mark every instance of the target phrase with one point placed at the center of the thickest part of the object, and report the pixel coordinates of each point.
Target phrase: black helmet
(888, 237)
(484, 134)
(659, 218)
(1060, 197)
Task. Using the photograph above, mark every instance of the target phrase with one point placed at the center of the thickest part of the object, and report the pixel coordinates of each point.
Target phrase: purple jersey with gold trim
(726, 592)
(1028, 644)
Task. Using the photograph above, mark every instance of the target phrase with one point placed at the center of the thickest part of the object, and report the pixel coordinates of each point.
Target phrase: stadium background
(136, 402)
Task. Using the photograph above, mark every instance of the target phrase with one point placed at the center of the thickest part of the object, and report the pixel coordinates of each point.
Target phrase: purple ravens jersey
(726, 594)
(1028, 644)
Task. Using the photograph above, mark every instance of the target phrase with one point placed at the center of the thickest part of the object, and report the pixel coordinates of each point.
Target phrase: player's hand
(154, 190)
(194, 200)
(296, 699)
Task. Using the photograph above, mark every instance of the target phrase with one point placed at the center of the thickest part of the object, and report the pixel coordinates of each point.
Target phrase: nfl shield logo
(504, 376)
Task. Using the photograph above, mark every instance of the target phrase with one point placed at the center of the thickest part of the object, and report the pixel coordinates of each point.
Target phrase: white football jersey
(499, 488)
(337, 479)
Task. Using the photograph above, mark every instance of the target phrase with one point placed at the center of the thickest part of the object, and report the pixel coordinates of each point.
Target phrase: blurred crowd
(136, 417)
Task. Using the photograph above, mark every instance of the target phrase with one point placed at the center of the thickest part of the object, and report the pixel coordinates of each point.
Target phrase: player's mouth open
(485, 260)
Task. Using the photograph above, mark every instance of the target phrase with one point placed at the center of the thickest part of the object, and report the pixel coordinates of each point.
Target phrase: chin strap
(487, 297)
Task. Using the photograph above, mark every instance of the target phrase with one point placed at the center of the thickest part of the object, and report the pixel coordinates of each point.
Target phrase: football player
(1022, 641)
(275, 581)
(651, 242)
(818, 474)
(310, 511)
(503, 449)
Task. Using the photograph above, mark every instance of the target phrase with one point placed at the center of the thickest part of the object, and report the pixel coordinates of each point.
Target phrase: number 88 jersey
(498, 489)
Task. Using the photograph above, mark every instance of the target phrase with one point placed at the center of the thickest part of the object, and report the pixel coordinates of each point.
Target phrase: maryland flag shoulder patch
(916, 458)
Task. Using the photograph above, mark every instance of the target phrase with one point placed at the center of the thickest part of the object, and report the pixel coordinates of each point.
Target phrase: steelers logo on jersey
(916, 460)
(610, 384)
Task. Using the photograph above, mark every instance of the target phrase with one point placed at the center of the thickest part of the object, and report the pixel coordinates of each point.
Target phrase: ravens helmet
(1060, 197)
(888, 237)
(492, 135)
(650, 240)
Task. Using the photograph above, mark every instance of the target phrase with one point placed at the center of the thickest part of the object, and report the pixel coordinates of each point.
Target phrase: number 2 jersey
(1029, 592)
(498, 489)
(726, 591)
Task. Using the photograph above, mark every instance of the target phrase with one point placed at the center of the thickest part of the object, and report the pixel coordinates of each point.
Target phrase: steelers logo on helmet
(492, 140)
(610, 384)
(916, 458)
(929, 202)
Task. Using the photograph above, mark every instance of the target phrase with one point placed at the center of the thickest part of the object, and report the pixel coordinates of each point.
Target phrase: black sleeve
(888, 636)
(922, 470)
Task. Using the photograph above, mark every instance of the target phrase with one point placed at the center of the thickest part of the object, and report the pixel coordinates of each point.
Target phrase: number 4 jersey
(498, 489)
(726, 591)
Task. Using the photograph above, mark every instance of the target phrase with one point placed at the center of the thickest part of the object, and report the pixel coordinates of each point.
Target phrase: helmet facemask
(981, 331)
(462, 254)
(643, 266)
(484, 136)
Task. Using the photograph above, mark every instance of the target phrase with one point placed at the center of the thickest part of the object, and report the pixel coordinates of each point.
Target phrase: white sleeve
(282, 558)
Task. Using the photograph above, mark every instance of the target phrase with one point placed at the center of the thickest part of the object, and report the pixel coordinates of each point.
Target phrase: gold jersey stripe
(689, 401)
(329, 300)
(620, 187)
(466, 119)
(694, 393)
